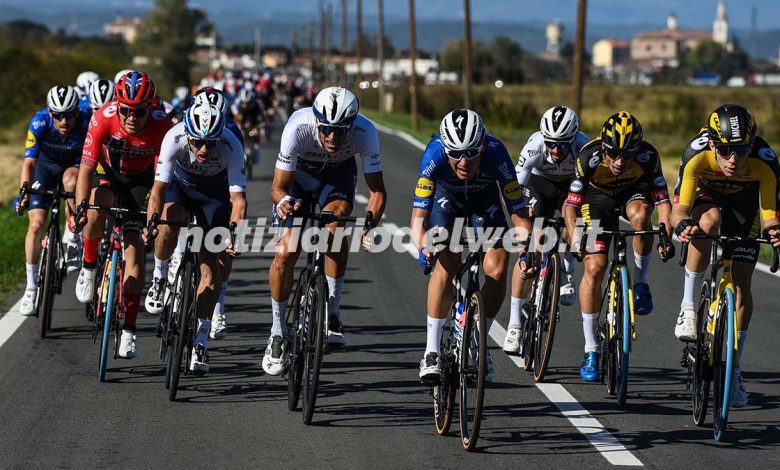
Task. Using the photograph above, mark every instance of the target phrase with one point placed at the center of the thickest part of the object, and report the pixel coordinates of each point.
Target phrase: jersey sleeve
(531, 157)
(769, 175)
(369, 153)
(35, 130)
(91, 151)
(511, 191)
(163, 124)
(167, 159)
(655, 183)
(287, 159)
(688, 181)
(587, 161)
(235, 165)
(426, 178)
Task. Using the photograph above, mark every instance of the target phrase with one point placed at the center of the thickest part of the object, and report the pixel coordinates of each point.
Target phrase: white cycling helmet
(121, 74)
(462, 129)
(204, 121)
(211, 95)
(100, 92)
(336, 106)
(84, 80)
(560, 124)
(62, 99)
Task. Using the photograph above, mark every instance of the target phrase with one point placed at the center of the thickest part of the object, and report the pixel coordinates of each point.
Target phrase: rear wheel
(723, 363)
(314, 347)
(610, 340)
(702, 373)
(472, 371)
(295, 321)
(623, 345)
(108, 314)
(546, 317)
(50, 254)
(444, 392)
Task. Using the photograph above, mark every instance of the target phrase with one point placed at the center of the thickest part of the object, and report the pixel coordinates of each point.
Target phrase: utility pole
(380, 54)
(579, 45)
(359, 43)
(258, 53)
(343, 68)
(467, 54)
(413, 76)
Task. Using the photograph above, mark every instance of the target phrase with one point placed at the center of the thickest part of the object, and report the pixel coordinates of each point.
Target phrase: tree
(506, 58)
(711, 57)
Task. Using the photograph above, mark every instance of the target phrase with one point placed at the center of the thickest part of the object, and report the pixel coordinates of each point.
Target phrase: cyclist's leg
(638, 211)
(101, 194)
(69, 178)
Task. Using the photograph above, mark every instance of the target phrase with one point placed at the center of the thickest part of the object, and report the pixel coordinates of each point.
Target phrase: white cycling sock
(181, 243)
(515, 319)
(219, 307)
(433, 336)
(334, 295)
(641, 267)
(590, 325)
(202, 336)
(278, 309)
(690, 289)
(160, 268)
(69, 236)
(568, 262)
(32, 275)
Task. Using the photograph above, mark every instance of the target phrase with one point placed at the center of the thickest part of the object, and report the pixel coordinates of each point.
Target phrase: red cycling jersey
(126, 154)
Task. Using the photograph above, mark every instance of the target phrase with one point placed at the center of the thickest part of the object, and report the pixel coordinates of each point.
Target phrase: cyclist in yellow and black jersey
(728, 183)
(619, 169)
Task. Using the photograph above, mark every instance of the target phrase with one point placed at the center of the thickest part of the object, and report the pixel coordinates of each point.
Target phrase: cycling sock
(692, 285)
(132, 304)
(334, 295)
(181, 243)
(202, 336)
(277, 310)
(515, 319)
(433, 337)
(741, 339)
(590, 324)
(568, 262)
(641, 267)
(90, 252)
(32, 275)
(160, 268)
(220, 305)
(70, 237)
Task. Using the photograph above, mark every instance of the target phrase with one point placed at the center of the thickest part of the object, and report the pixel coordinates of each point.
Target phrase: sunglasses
(198, 143)
(136, 112)
(61, 116)
(470, 154)
(336, 130)
(725, 151)
(619, 154)
(554, 145)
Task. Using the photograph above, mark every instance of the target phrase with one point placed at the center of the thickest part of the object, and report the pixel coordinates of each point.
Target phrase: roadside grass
(12, 226)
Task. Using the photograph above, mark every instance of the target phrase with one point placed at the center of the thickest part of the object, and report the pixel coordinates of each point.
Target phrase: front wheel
(702, 373)
(623, 345)
(723, 363)
(49, 263)
(184, 310)
(314, 347)
(473, 368)
(295, 338)
(109, 287)
(546, 317)
(444, 391)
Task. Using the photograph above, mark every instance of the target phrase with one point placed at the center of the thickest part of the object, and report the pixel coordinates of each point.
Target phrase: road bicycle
(712, 357)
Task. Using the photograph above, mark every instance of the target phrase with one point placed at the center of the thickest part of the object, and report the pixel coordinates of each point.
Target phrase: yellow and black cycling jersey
(699, 170)
(642, 174)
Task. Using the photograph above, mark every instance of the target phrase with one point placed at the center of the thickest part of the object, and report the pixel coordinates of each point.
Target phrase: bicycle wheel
(546, 316)
(702, 373)
(623, 345)
(108, 315)
(47, 289)
(182, 332)
(314, 344)
(528, 332)
(472, 371)
(723, 363)
(444, 392)
(609, 338)
(295, 321)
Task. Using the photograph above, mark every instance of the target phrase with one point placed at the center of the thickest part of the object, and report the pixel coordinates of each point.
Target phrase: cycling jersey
(496, 166)
(535, 160)
(699, 170)
(177, 159)
(231, 125)
(85, 106)
(44, 141)
(125, 153)
(301, 146)
(641, 174)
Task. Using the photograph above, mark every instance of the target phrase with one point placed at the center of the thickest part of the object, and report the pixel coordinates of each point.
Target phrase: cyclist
(101, 91)
(83, 81)
(55, 139)
(317, 156)
(545, 169)
(620, 169)
(120, 152)
(200, 166)
(458, 174)
(726, 170)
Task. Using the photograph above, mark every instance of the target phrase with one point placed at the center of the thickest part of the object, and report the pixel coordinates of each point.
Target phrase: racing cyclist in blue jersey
(55, 139)
(83, 82)
(458, 174)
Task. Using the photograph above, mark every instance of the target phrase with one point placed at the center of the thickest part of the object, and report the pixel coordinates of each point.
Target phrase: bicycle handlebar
(113, 211)
(56, 193)
(727, 240)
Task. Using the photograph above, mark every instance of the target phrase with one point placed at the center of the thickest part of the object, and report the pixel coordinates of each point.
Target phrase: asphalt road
(372, 409)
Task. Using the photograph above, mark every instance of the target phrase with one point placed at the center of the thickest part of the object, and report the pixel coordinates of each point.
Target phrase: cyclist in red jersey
(117, 166)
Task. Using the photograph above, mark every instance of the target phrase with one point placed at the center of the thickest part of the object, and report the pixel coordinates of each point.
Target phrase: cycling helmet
(182, 92)
(121, 74)
(204, 121)
(336, 106)
(100, 92)
(62, 99)
(245, 95)
(135, 89)
(621, 132)
(462, 129)
(213, 96)
(731, 124)
(85, 79)
(560, 124)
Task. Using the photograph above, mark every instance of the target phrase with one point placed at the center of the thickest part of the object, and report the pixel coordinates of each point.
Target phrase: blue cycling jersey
(496, 167)
(43, 139)
(84, 104)
(233, 127)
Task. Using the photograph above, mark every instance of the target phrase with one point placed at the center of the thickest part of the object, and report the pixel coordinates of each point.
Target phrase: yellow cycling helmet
(621, 132)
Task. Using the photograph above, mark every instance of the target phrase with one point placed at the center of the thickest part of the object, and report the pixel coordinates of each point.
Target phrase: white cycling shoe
(685, 329)
(512, 341)
(128, 349)
(27, 308)
(85, 285)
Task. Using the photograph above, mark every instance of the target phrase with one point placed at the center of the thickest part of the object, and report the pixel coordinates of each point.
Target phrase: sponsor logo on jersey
(505, 171)
(424, 188)
(576, 186)
(31, 141)
(37, 124)
(660, 195)
(513, 191)
(88, 140)
(767, 154)
(108, 111)
(594, 161)
(420, 203)
(574, 199)
(660, 181)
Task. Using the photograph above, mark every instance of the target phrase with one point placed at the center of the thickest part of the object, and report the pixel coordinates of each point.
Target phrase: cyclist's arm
(578, 189)
(238, 201)
(419, 226)
(685, 190)
(377, 198)
(32, 148)
(280, 186)
(89, 157)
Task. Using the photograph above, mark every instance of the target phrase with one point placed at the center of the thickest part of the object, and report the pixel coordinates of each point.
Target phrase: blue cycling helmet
(204, 120)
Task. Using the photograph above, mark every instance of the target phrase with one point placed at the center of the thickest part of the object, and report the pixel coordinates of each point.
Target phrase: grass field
(11, 252)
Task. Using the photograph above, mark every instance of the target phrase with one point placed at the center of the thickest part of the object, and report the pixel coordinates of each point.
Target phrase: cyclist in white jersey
(200, 167)
(545, 169)
(317, 157)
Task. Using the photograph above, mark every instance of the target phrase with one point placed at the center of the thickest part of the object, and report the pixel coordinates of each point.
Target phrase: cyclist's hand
(287, 207)
(667, 254)
(686, 229)
(772, 233)
(425, 258)
(369, 238)
(231, 250)
(20, 204)
(526, 271)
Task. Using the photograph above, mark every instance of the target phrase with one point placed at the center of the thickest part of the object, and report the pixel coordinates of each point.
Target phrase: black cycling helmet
(621, 132)
(731, 124)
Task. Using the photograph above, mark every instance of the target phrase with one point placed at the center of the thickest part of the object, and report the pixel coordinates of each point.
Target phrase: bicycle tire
(609, 358)
(172, 329)
(186, 310)
(700, 387)
(546, 322)
(108, 316)
(47, 289)
(120, 303)
(528, 333)
(295, 320)
(444, 392)
(723, 367)
(472, 378)
(315, 346)
(623, 348)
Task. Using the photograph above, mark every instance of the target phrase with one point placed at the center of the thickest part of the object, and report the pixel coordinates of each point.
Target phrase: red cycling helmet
(135, 89)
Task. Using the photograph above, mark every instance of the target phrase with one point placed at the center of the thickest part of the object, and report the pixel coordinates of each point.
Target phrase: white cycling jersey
(175, 155)
(534, 159)
(301, 146)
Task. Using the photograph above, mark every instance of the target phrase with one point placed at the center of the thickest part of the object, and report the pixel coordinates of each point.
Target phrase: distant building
(554, 33)
(657, 49)
(720, 27)
(124, 28)
(610, 52)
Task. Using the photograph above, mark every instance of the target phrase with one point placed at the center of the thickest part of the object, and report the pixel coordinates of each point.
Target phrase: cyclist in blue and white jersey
(83, 81)
(200, 167)
(318, 156)
(464, 172)
(55, 139)
(544, 170)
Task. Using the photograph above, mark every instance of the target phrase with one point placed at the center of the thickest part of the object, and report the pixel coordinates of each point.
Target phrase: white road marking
(10, 322)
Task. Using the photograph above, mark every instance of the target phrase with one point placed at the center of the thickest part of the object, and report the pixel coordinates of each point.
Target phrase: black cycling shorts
(601, 207)
(740, 217)
(130, 191)
(544, 197)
